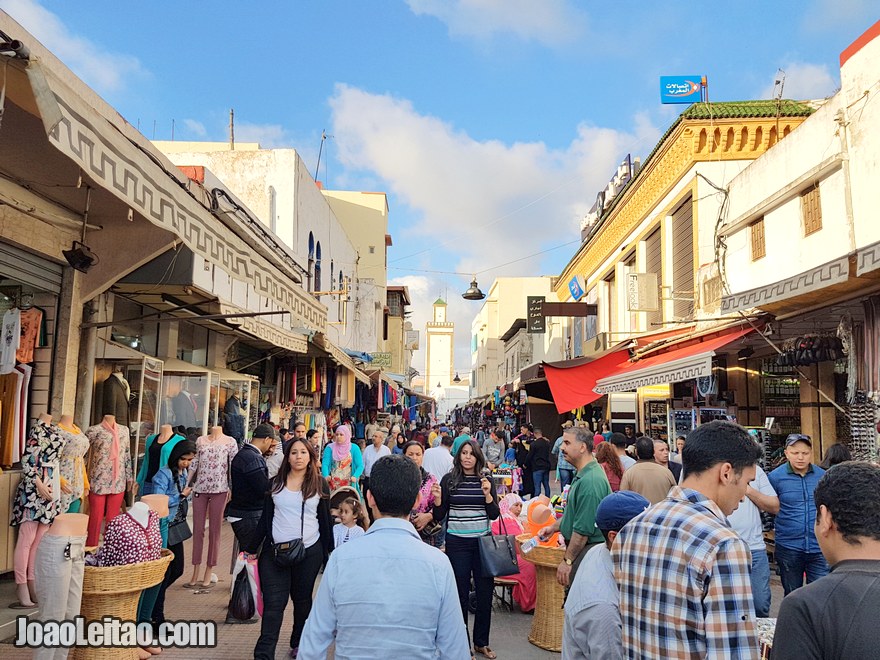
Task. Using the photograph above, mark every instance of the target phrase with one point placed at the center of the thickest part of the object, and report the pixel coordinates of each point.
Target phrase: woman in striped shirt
(469, 500)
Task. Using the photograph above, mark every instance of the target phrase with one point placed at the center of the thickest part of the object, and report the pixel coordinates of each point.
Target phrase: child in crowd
(353, 522)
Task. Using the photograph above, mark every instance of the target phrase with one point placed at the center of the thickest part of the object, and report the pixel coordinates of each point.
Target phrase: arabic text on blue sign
(680, 89)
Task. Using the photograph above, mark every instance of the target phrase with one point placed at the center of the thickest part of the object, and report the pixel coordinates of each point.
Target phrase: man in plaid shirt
(683, 572)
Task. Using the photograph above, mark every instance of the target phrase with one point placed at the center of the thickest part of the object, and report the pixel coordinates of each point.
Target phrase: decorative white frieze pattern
(828, 274)
(671, 372)
(109, 158)
(868, 259)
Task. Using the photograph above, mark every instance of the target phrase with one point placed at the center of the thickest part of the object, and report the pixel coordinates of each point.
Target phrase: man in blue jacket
(797, 551)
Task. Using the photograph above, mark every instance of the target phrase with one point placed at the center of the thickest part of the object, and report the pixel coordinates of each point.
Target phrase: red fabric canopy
(573, 387)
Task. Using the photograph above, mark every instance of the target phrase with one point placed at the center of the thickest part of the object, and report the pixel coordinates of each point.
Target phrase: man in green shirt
(578, 522)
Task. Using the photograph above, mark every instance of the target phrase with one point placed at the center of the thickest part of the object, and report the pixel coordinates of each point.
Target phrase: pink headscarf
(508, 501)
(342, 449)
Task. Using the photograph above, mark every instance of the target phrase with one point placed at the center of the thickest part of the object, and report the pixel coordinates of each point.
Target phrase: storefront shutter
(653, 264)
(24, 267)
(683, 259)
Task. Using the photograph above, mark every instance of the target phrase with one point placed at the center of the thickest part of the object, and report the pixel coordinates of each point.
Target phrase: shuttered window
(759, 248)
(683, 259)
(654, 264)
(811, 210)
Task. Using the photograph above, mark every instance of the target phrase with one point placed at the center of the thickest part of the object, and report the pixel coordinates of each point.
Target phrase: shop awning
(691, 361)
(344, 360)
(576, 383)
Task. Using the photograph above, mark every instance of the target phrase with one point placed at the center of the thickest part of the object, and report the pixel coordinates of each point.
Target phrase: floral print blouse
(126, 542)
(73, 468)
(212, 463)
(41, 460)
(100, 468)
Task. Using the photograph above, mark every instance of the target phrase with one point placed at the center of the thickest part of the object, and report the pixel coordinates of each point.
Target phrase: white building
(279, 190)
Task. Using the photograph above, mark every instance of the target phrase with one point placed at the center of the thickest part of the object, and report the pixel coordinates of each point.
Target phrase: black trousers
(172, 574)
(278, 584)
(464, 555)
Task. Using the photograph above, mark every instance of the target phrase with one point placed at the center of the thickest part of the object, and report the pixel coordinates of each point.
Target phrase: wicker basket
(115, 591)
(549, 616)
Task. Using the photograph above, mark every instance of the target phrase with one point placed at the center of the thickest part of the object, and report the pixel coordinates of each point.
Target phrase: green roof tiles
(440, 301)
(747, 109)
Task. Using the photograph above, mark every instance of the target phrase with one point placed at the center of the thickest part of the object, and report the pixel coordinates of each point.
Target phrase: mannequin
(156, 452)
(133, 537)
(209, 477)
(110, 472)
(185, 409)
(36, 504)
(75, 480)
(59, 573)
(117, 394)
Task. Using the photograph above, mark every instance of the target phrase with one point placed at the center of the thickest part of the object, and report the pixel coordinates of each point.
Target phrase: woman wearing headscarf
(422, 517)
(525, 591)
(342, 463)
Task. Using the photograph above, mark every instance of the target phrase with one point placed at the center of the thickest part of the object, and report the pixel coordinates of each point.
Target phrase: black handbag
(290, 553)
(498, 554)
(178, 528)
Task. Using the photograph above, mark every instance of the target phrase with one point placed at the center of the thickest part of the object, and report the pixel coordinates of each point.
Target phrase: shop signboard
(576, 288)
(537, 324)
(681, 89)
(381, 360)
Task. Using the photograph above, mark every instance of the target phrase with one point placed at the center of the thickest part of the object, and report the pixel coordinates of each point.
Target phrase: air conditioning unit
(642, 292)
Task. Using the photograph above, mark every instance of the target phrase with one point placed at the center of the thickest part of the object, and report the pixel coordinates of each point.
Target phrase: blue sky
(490, 123)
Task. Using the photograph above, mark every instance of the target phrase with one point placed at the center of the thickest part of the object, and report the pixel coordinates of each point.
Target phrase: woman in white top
(297, 513)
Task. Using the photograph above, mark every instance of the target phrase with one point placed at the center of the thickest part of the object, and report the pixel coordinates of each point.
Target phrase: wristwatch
(568, 561)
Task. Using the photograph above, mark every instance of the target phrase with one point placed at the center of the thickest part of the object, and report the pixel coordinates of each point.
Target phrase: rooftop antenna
(778, 84)
(231, 129)
(324, 137)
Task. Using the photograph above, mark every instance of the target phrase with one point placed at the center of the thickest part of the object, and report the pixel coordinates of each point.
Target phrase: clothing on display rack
(58, 576)
(10, 339)
(73, 467)
(33, 334)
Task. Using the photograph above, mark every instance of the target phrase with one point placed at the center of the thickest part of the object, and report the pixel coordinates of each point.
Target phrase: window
(272, 210)
(759, 248)
(372, 249)
(311, 258)
(318, 266)
(811, 210)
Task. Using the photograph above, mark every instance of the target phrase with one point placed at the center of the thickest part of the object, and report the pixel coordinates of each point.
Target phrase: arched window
(273, 213)
(311, 260)
(318, 266)
(332, 277)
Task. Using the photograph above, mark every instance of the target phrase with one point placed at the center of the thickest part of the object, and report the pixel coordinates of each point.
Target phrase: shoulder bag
(498, 554)
(178, 528)
(290, 553)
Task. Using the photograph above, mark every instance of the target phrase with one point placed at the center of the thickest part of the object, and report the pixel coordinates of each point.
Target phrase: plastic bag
(246, 597)
(242, 605)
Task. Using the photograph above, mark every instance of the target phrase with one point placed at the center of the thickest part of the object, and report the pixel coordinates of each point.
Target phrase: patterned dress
(41, 460)
(101, 472)
(73, 468)
(126, 542)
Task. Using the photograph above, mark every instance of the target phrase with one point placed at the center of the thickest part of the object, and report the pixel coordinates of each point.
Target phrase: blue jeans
(761, 583)
(565, 477)
(792, 564)
(540, 477)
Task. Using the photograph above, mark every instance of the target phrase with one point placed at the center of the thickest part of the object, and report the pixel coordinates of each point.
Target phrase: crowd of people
(664, 551)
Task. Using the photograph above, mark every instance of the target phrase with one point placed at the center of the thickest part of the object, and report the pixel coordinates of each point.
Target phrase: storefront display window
(186, 400)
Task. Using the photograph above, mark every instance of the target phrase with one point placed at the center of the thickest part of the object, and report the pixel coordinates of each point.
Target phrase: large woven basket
(549, 618)
(115, 591)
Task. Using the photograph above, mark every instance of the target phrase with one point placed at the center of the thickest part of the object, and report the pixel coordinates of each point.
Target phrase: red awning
(583, 383)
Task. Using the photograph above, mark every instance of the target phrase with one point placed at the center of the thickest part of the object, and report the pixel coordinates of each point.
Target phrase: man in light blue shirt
(373, 607)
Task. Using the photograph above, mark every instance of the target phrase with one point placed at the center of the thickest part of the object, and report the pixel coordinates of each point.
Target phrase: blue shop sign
(576, 288)
(681, 89)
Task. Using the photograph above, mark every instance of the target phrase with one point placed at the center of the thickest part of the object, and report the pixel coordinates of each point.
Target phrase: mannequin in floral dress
(37, 502)
(73, 467)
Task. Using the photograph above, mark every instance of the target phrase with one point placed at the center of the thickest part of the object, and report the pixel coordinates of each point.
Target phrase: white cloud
(99, 68)
(825, 15)
(549, 22)
(195, 127)
(805, 81)
(270, 136)
(480, 203)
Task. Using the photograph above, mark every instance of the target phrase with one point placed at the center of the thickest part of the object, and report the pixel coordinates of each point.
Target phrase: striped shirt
(468, 513)
(684, 582)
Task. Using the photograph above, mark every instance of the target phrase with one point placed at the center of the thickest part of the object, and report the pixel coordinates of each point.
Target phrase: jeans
(792, 564)
(540, 477)
(59, 579)
(278, 584)
(761, 583)
(565, 477)
(172, 574)
(464, 555)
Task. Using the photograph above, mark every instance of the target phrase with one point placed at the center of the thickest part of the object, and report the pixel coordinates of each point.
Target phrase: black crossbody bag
(290, 553)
